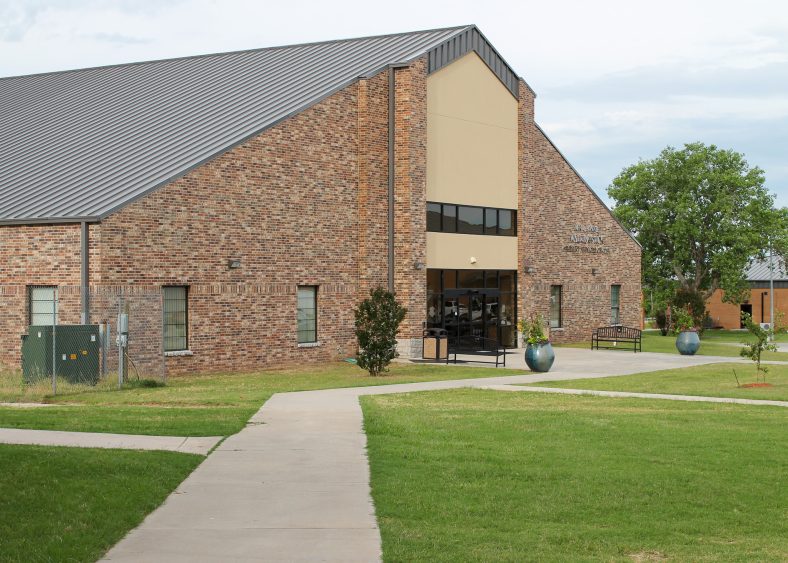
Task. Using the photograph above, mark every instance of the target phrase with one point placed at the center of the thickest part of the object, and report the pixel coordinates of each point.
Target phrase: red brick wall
(37, 255)
(554, 201)
(410, 241)
(286, 204)
(728, 315)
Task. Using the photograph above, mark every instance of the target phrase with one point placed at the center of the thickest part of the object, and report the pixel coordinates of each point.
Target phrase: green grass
(471, 475)
(713, 343)
(714, 380)
(208, 405)
(72, 504)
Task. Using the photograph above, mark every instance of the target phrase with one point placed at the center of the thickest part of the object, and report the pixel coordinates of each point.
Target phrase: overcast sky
(616, 81)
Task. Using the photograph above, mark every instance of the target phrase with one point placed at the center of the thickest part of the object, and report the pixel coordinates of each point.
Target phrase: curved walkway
(294, 484)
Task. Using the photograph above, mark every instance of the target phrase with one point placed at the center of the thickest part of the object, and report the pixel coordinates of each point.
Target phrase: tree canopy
(701, 214)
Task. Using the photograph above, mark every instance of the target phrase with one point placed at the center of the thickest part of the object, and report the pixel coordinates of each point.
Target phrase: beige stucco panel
(454, 251)
(471, 136)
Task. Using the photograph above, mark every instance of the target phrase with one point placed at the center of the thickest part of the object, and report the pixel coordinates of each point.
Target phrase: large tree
(701, 214)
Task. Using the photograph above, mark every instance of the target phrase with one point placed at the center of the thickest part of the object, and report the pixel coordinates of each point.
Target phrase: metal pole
(771, 290)
(85, 274)
(54, 343)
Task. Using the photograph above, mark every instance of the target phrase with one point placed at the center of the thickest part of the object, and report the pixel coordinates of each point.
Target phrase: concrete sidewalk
(636, 395)
(294, 484)
(193, 445)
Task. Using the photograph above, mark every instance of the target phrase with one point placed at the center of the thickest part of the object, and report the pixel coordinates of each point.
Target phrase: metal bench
(477, 346)
(613, 336)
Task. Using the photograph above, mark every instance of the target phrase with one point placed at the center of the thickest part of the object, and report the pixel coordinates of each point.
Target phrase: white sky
(616, 80)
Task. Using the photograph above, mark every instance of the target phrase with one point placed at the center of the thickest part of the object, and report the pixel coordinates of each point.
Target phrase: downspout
(85, 275)
(391, 180)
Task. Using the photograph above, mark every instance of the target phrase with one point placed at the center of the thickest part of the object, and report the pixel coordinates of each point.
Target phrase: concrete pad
(192, 445)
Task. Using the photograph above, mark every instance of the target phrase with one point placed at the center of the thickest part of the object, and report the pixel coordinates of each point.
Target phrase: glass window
(449, 279)
(615, 304)
(470, 220)
(42, 305)
(449, 218)
(471, 279)
(490, 221)
(434, 217)
(434, 280)
(506, 222)
(175, 319)
(492, 279)
(555, 306)
(507, 282)
(307, 314)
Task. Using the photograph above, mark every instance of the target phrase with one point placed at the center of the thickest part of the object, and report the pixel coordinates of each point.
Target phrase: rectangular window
(555, 306)
(307, 314)
(176, 318)
(449, 218)
(470, 220)
(434, 217)
(506, 221)
(615, 304)
(490, 221)
(42, 305)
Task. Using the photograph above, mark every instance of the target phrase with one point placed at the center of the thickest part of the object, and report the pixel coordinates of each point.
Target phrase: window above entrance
(470, 219)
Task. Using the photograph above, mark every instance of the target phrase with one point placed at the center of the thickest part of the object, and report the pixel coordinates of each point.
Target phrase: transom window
(307, 314)
(42, 305)
(176, 318)
(470, 219)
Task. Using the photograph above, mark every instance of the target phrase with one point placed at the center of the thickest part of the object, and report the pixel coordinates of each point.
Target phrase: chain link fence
(48, 345)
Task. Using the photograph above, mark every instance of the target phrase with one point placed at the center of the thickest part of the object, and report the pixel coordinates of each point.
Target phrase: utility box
(435, 344)
(77, 353)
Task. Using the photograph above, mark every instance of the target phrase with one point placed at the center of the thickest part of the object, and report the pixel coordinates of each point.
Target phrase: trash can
(435, 344)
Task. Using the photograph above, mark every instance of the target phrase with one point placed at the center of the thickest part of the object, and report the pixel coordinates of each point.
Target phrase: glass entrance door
(472, 313)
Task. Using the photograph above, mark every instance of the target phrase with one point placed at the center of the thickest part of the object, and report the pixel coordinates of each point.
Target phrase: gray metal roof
(81, 144)
(759, 270)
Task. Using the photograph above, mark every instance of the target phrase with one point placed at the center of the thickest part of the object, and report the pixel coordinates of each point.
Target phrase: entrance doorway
(473, 303)
(745, 308)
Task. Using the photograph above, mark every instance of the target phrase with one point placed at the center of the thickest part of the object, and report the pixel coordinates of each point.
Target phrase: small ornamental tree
(754, 350)
(377, 322)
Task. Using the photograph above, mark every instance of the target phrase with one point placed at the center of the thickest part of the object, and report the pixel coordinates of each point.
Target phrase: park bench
(617, 338)
(477, 346)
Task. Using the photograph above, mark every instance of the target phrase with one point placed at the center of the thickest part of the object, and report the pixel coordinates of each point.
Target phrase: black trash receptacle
(435, 345)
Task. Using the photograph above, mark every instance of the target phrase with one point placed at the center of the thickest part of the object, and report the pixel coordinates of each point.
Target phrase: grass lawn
(715, 380)
(73, 504)
(206, 405)
(472, 475)
(713, 343)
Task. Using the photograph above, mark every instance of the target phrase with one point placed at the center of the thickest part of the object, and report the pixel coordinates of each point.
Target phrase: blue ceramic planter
(687, 343)
(539, 357)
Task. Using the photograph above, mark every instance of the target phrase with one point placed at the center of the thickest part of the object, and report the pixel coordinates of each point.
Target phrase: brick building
(261, 194)
(758, 303)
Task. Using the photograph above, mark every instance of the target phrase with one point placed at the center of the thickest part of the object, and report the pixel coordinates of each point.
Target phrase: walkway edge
(632, 394)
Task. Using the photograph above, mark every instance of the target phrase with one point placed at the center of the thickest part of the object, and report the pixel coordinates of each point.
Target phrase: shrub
(377, 322)
(661, 320)
(694, 304)
(682, 320)
(754, 350)
(533, 329)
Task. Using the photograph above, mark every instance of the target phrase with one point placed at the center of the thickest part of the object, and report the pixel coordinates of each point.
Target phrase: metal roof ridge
(225, 53)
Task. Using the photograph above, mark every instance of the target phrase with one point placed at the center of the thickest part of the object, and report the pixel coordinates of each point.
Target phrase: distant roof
(78, 145)
(759, 270)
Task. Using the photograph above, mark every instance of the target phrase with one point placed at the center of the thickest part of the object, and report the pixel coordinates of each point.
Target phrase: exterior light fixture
(234, 263)
(473, 259)
(530, 269)
(594, 271)
(418, 265)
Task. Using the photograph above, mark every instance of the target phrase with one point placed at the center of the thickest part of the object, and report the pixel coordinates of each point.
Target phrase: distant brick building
(264, 193)
(758, 302)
